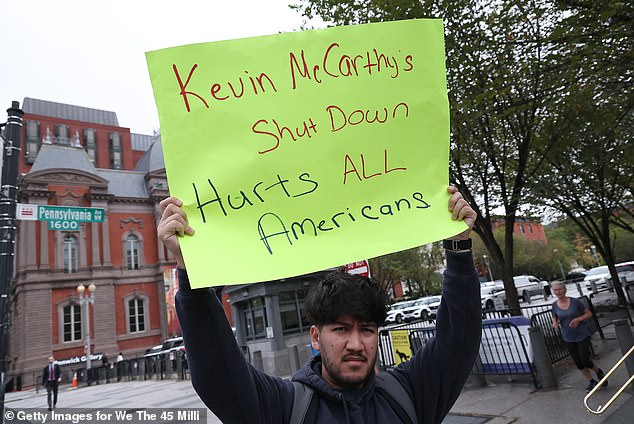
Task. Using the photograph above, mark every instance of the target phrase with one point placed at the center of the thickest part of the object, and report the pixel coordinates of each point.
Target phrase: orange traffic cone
(74, 383)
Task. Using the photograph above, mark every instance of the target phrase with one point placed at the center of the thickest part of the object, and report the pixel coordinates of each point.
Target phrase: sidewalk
(503, 402)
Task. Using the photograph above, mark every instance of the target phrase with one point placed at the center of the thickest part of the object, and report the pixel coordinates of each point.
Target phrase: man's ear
(314, 337)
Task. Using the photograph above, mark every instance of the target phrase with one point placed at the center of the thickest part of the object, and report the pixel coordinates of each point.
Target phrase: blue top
(238, 393)
(564, 316)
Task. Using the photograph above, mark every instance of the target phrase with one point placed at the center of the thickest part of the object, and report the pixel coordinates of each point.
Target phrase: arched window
(70, 254)
(132, 251)
(71, 316)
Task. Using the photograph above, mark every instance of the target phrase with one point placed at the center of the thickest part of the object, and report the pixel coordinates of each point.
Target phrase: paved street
(133, 394)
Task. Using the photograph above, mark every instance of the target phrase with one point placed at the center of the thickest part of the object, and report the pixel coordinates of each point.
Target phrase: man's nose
(354, 340)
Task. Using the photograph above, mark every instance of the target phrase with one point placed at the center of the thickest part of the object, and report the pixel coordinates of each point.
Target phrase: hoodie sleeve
(437, 372)
(231, 388)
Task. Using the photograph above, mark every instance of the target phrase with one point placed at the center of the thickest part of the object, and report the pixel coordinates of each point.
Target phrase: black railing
(608, 308)
(504, 350)
(151, 368)
(527, 311)
(554, 343)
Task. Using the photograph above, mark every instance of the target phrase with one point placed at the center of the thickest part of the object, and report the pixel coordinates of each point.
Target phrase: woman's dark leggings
(580, 352)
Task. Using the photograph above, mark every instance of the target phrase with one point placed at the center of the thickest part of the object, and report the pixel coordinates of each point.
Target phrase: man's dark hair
(340, 294)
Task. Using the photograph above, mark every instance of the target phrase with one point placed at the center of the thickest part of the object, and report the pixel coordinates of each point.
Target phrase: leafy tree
(588, 175)
(498, 84)
(417, 267)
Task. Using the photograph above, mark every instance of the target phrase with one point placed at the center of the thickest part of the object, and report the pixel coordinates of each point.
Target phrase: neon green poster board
(302, 151)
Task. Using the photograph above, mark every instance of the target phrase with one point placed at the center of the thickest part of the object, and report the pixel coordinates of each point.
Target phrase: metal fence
(151, 368)
(605, 302)
(504, 350)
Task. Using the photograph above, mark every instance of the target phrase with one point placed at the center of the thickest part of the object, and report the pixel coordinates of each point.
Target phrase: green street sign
(69, 214)
(63, 225)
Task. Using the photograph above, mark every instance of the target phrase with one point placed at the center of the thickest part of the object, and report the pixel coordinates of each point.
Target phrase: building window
(90, 144)
(32, 142)
(132, 251)
(522, 231)
(292, 312)
(136, 315)
(254, 314)
(115, 151)
(71, 323)
(530, 229)
(70, 254)
(62, 134)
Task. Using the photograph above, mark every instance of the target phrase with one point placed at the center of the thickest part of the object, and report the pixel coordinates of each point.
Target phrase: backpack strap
(395, 394)
(305, 405)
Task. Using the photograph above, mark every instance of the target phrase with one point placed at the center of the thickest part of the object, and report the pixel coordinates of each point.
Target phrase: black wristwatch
(457, 245)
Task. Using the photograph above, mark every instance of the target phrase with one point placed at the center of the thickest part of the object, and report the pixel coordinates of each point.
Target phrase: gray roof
(120, 183)
(142, 141)
(152, 159)
(72, 112)
(57, 156)
(124, 183)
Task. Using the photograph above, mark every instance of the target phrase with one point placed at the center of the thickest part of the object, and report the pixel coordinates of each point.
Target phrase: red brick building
(529, 228)
(81, 157)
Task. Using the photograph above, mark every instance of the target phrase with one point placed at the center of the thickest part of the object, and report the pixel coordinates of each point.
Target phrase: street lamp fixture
(85, 299)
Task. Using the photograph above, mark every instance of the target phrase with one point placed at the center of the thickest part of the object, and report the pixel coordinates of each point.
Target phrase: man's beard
(337, 377)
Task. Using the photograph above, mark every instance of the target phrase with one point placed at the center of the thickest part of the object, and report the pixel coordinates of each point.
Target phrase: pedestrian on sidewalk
(51, 377)
(345, 311)
(570, 315)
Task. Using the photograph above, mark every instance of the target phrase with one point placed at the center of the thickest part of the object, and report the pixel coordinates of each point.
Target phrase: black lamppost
(10, 150)
(561, 268)
(486, 261)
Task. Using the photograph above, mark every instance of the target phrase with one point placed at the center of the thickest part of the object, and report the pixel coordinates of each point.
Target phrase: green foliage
(541, 112)
(416, 267)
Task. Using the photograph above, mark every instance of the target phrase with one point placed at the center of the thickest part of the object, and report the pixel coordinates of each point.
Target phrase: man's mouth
(354, 358)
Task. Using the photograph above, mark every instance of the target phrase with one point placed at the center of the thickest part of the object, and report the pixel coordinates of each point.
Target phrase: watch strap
(457, 244)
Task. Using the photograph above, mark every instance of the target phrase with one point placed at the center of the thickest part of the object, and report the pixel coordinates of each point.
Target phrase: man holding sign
(345, 311)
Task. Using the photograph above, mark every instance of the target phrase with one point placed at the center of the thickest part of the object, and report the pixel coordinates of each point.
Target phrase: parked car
(168, 347)
(424, 309)
(395, 312)
(528, 286)
(153, 351)
(625, 270)
(602, 278)
(574, 277)
(598, 276)
(488, 293)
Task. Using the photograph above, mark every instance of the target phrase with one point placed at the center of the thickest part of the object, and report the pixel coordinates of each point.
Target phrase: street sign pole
(8, 199)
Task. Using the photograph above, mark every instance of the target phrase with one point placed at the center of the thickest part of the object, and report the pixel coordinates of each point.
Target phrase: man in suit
(51, 377)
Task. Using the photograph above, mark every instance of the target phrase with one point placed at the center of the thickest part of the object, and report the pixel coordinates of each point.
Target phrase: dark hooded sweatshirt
(236, 392)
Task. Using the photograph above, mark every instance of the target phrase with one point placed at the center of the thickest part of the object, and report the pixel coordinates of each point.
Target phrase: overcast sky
(91, 52)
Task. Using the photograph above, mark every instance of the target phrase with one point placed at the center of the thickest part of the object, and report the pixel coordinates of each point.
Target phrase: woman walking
(570, 315)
